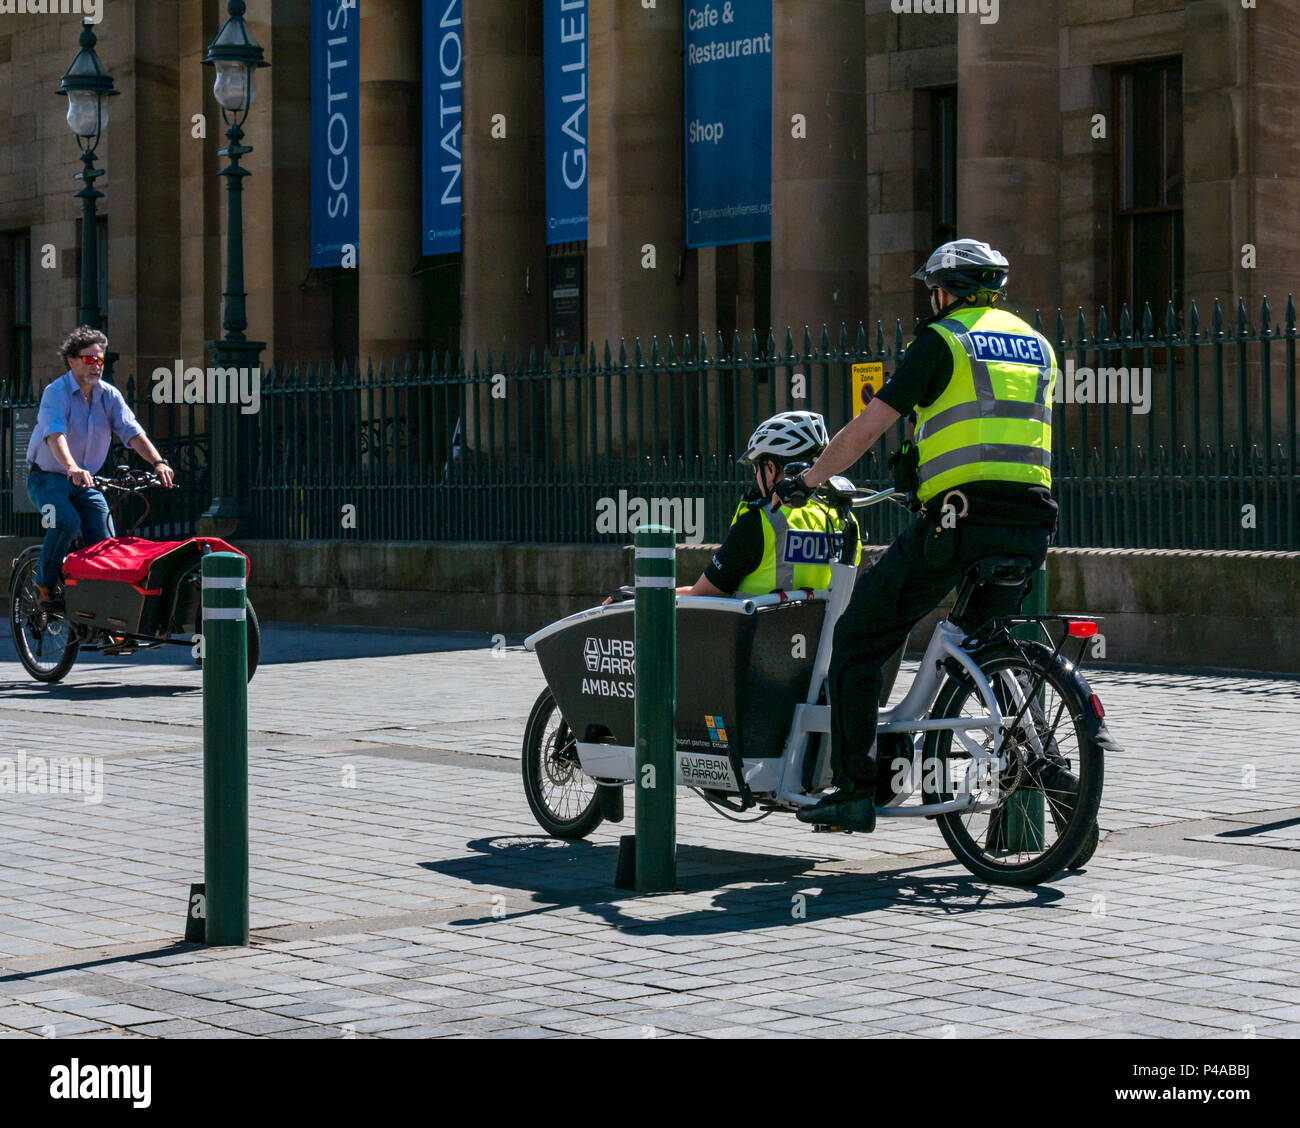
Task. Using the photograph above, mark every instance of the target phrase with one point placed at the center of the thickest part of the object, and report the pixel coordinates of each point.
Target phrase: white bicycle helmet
(786, 437)
(966, 267)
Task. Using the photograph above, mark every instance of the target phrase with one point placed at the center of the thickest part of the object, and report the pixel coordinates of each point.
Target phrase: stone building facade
(1116, 150)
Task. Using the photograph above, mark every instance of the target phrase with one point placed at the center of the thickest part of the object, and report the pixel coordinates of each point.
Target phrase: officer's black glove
(791, 489)
(621, 594)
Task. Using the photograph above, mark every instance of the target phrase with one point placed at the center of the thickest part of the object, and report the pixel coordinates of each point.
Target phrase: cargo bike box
(742, 667)
(132, 586)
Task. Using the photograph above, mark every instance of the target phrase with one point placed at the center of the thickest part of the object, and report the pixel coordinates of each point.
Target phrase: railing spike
(1290, 315)
(1194, 320)
(1265, 318)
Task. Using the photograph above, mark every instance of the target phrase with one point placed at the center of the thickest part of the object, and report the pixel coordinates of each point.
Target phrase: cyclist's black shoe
(849, 808)
(48, 600)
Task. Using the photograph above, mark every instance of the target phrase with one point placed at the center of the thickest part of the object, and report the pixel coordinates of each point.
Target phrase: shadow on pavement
(563, 874)
(173, 949)
(291, 642)
(93, 691)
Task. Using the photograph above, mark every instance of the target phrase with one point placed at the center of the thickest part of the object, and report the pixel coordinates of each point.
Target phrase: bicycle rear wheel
(1049, 783)
(45, 642)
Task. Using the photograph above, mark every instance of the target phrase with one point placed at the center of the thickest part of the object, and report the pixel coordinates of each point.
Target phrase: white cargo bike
(999, 739)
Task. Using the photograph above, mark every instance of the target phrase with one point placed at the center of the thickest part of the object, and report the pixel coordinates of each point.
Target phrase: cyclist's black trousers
(909, 581)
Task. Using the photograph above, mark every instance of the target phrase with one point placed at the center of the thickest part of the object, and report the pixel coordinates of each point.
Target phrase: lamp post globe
(88, 87)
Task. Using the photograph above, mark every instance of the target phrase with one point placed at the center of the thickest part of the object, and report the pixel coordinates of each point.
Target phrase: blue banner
(564, 63)
(443, 58)
(728, 122)
(335, 129)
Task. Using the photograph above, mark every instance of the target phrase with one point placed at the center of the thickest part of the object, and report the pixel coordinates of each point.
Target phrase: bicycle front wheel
(45, 641)
(1048, 782)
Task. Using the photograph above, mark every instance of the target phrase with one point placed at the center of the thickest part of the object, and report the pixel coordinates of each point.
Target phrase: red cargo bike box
(128, 584)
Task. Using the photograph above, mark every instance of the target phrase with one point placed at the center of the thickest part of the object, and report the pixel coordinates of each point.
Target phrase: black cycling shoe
(846, 808)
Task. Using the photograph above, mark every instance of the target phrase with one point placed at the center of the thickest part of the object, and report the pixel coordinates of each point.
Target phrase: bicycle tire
(1074, 843)
(24, 574)
(536, 761)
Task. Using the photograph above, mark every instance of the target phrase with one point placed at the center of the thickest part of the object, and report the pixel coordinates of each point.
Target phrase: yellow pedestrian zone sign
(867, 381)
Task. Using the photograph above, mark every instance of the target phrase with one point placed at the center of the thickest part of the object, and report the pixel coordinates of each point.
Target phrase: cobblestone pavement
(400, 887)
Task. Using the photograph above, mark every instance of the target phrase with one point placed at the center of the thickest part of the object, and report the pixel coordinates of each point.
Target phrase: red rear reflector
(1097, 708)
(1083, 630)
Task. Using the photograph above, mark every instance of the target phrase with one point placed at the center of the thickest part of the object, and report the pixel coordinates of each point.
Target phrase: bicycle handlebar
(128, 481)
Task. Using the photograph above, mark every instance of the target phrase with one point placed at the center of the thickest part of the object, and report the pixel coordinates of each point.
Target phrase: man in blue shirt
(75, 425)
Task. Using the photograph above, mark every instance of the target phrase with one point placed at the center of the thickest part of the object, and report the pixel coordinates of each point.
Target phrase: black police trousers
(909, 581)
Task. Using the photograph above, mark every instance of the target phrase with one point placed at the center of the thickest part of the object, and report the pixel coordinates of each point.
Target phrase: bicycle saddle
(1005, 571)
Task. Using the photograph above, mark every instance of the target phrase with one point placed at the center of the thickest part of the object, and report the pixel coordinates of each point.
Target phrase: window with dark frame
(15, 313)
(943, 134)
(1147, 252)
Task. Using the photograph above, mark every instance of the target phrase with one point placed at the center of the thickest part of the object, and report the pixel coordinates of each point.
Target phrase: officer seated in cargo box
(775, 547)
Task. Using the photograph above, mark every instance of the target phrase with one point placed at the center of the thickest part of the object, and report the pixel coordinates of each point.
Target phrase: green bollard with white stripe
(225, 748)
(1023, 827)
(655, 568)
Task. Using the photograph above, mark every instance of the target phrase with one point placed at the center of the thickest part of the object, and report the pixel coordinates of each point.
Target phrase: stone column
(1009, 146)
(389, 306)
(155, 289)
(635, 189)
(819, 182)
(503, 251)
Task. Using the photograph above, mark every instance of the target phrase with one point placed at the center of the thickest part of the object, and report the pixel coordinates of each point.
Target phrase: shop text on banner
(728, 122)
(443, 58)
(564, 64)
(335, 130)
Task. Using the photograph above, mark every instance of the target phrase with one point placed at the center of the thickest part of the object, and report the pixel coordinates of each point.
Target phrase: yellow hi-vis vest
(799, 547)
(993, 422)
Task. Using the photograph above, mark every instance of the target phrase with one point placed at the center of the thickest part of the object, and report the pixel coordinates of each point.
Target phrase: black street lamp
(236, 58)
(88, 88)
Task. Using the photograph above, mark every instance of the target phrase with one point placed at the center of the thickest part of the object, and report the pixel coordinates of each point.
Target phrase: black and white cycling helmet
(785, 437)
(965, 268)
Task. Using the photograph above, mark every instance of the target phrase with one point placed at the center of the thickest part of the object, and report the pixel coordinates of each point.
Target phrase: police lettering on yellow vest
(799, 547)
(993, 421)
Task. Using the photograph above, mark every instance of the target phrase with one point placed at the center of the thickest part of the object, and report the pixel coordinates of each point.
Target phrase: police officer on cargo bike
(979, 382)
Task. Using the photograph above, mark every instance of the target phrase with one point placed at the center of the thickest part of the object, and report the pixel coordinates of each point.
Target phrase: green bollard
(655, 569)
(1023, 815)
(225, 748)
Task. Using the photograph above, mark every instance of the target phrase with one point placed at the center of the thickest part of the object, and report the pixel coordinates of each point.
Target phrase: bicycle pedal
(822, 828)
